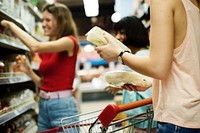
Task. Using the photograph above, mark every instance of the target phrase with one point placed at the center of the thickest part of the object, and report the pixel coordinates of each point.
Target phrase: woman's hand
(132, 87)
(23, 64)
(110, 51)
(5, 23)
(112, 89)
(129, 87)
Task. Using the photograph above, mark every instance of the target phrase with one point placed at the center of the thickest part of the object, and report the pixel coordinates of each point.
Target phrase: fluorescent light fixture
(50, 1)
(91, 7)
(115, 17)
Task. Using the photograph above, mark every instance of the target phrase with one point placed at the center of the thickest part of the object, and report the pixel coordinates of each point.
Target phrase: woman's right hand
(5, 23)
(23, 64)
(110, 51)
(132, 87)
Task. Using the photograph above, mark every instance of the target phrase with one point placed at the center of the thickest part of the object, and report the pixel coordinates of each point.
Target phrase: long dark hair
(136, 33)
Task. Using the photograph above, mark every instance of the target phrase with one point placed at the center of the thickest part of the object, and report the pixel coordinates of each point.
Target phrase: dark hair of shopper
(63, 16)
(136, 34)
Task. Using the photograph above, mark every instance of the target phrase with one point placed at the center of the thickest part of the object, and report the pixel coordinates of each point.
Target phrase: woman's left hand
(132, 87)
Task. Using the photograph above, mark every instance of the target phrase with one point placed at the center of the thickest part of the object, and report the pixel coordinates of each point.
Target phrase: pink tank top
(177, 99)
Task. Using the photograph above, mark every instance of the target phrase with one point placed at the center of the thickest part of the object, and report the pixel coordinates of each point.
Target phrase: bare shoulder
(66, 40)
(169, 14)
(64, 43)
(162, 7)
(170, 4)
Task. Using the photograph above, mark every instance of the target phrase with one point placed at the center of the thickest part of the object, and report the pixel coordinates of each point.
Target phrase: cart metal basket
(106, 120)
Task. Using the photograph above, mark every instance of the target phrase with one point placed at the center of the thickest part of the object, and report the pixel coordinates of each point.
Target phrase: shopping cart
(106, 120)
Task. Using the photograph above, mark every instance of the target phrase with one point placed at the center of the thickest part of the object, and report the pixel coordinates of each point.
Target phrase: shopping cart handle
(111, 110)
(132, 105)
(108, 114)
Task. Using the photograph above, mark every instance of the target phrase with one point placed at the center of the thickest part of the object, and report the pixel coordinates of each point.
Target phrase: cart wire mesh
(106, 120)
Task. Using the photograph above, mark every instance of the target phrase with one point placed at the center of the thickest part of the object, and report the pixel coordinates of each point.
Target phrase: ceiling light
(115, 17)
(91, 7)
(50, 1)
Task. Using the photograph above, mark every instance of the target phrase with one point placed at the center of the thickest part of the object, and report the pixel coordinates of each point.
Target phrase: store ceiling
(106, 9)
(77, 3)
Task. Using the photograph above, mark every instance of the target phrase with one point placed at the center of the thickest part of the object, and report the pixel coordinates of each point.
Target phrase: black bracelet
(120, 56)
(122, 52)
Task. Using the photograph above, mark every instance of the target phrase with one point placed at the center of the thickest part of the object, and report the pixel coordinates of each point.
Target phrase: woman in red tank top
(57, 69)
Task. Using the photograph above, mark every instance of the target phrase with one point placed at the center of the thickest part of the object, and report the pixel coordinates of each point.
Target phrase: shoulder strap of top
(75, 43)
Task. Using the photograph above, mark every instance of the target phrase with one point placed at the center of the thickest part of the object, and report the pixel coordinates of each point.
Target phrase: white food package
(119, 78)
(95, 36)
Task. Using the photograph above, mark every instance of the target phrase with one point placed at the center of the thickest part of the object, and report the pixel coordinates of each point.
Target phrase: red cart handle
(111, 110)
(132, 105)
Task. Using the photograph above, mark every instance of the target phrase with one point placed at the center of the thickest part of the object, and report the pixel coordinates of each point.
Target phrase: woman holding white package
(174, 50)
(131, 32)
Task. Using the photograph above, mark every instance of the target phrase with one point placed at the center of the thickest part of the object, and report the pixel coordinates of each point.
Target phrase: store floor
(91, 109)
(89, 106)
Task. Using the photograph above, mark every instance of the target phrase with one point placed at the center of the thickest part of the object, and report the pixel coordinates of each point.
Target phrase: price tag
(16, 112)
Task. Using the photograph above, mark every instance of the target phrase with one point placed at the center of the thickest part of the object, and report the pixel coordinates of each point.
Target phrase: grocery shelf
(11, 45)
(18, 22)
(12, 78)
(4, 15)
(16, 112)
(22, 14)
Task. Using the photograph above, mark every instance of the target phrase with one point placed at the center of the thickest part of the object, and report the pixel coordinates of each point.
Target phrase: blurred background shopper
(130, 31)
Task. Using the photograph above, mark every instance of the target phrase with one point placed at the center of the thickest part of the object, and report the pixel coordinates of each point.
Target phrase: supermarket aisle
(94, 105)
(87, 108)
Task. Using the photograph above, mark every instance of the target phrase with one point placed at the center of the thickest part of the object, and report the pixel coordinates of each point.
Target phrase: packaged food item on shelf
(35, 60)
(15, 100)
(4, 106)
(1, 66)
(21, 124)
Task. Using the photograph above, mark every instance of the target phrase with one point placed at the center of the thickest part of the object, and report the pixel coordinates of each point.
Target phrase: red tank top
(57, 70)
